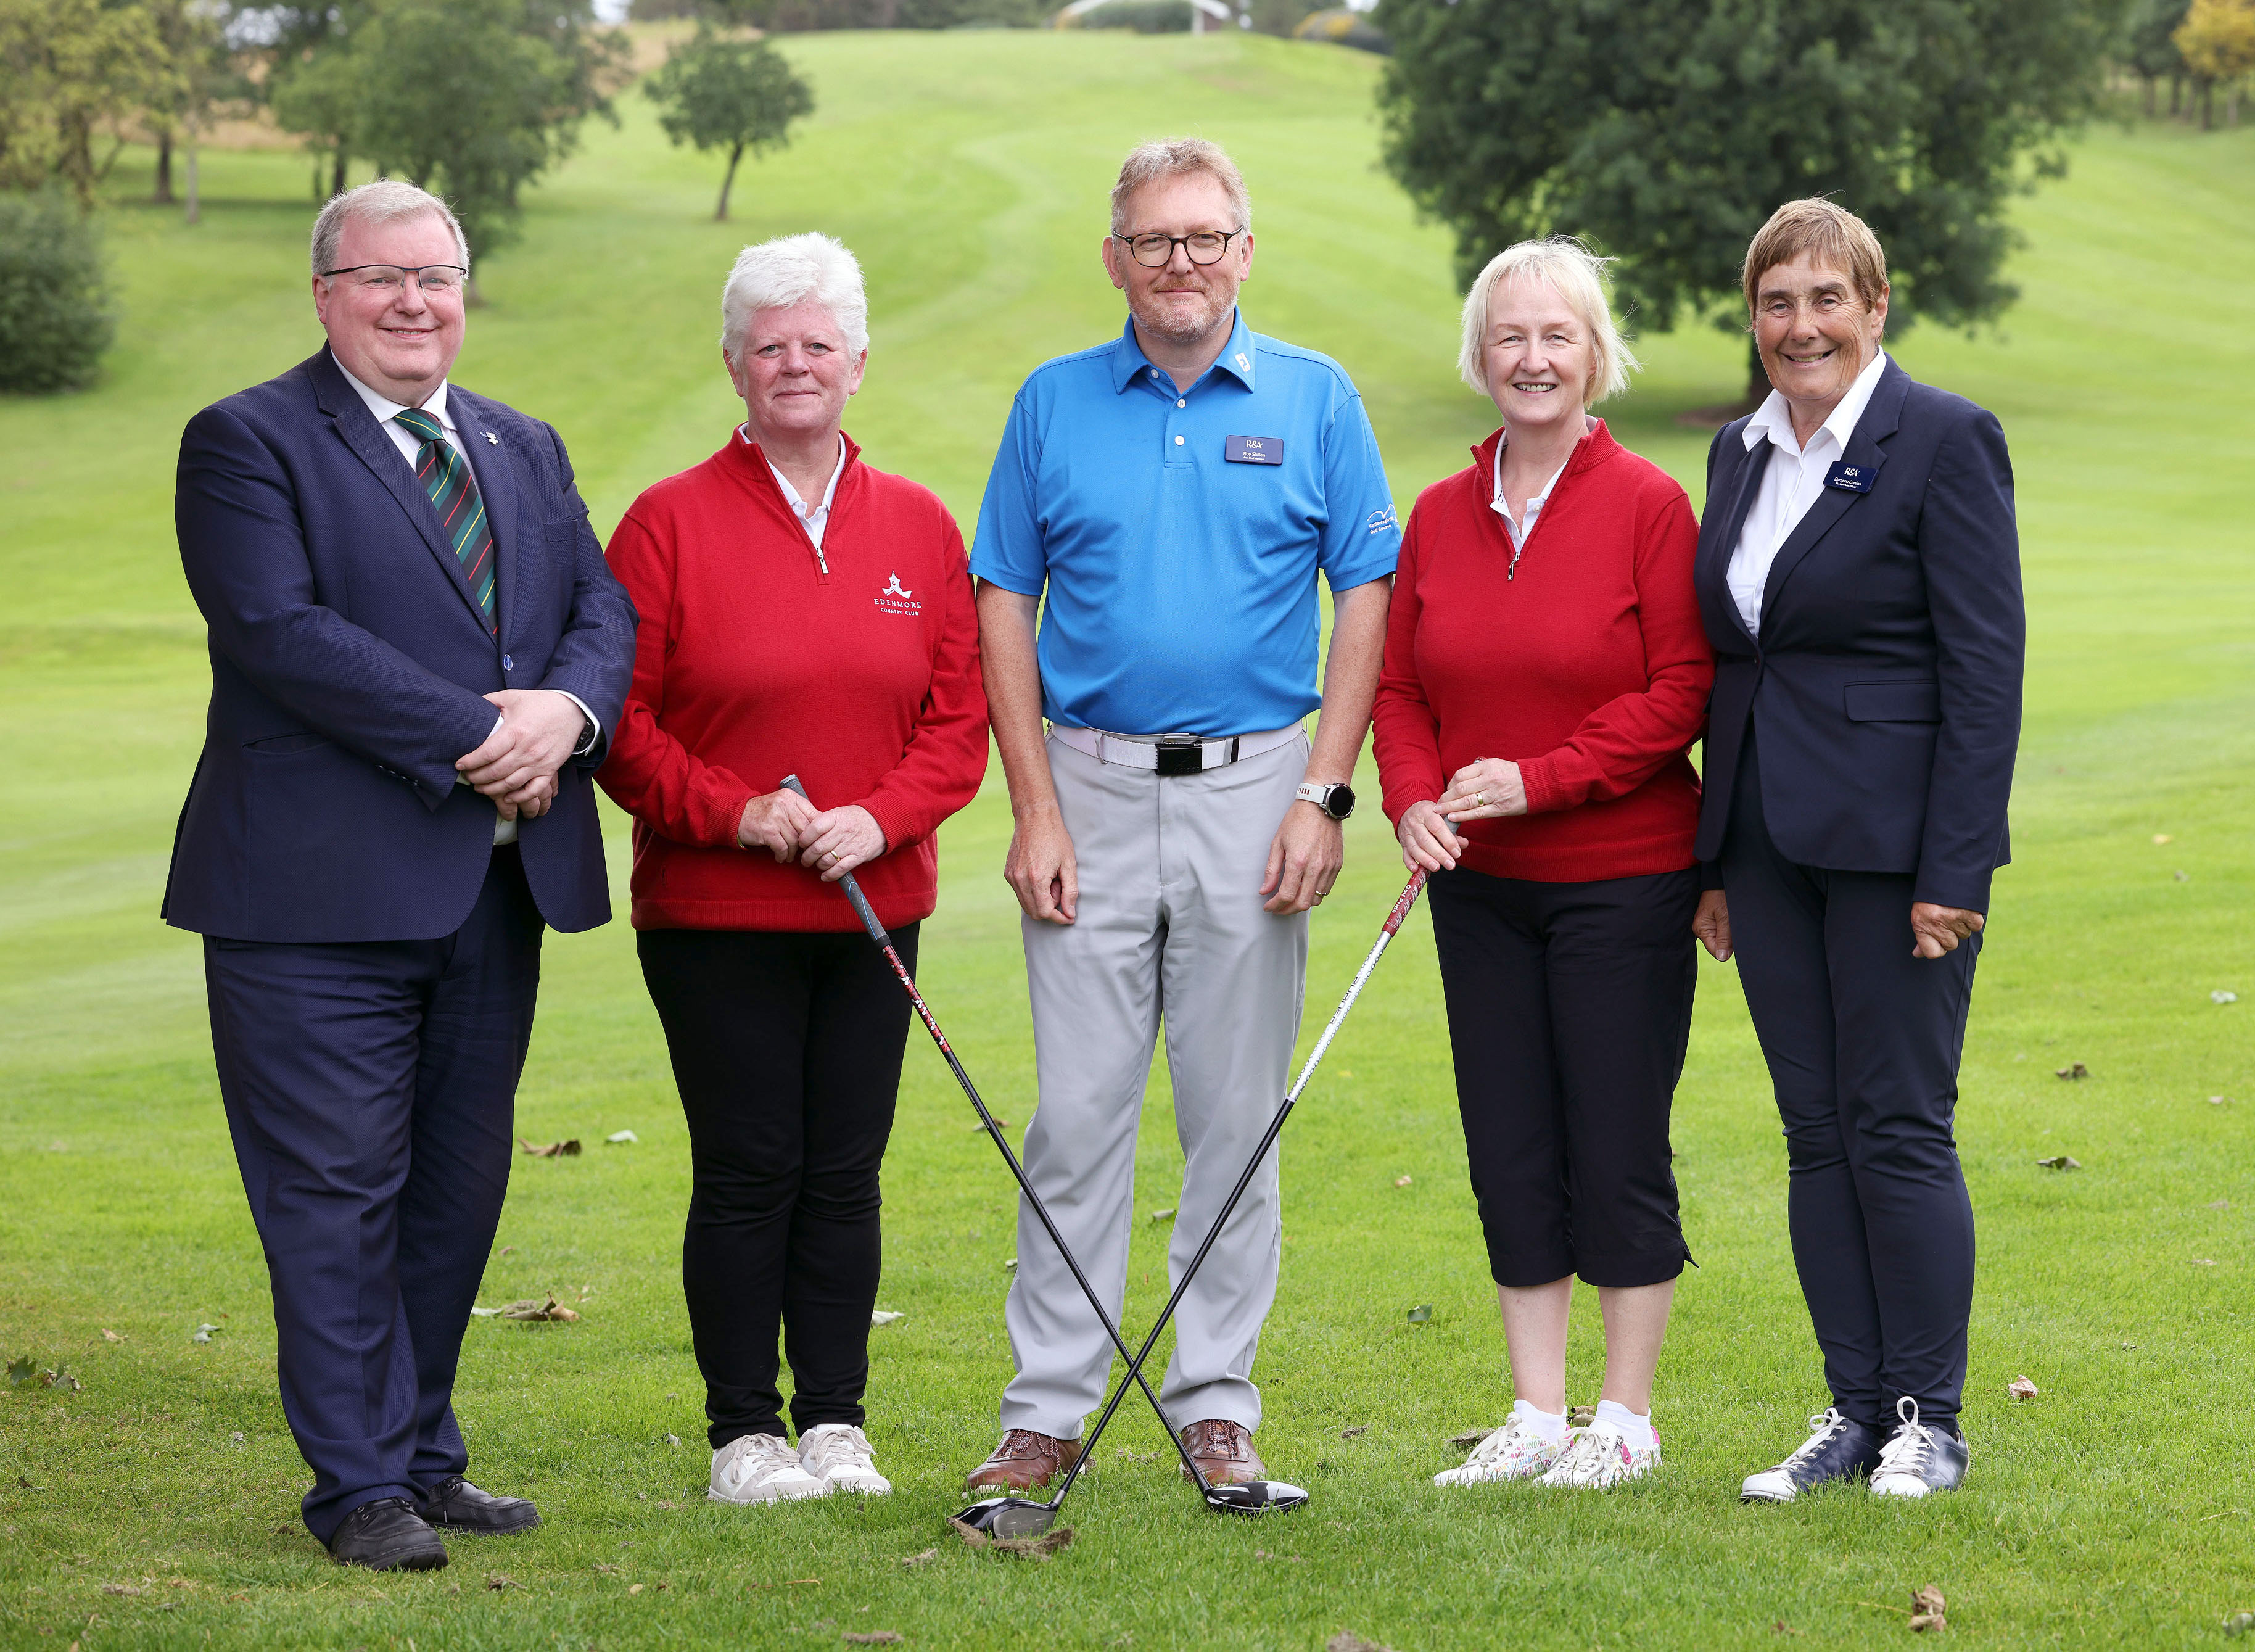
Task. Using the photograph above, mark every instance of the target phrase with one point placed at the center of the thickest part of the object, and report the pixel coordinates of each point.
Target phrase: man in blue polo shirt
(1175, 493)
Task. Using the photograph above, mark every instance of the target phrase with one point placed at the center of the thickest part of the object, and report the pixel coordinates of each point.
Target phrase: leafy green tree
(2150, 50)
(316, 94)
(735, 95)
(56, 317)
(73, 72)
(474, 99)
(196, 73)
(1667, 132)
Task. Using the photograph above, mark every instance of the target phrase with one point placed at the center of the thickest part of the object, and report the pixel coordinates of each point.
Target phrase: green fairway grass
(156, 1506)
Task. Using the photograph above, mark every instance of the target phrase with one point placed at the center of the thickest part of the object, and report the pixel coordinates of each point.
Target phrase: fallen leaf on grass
(1001, 1124)
(203, 1333)
(1349, 1434)
(236, 1437)
(924, 1559)
(1401, 1181)
(1011, 1266)
(536, 1308)
(120, 1588)
(2217, 1100)
(885, 1317)
(2163, 837)
(111, 1336)
(1422, 1314)
(2076, 1071)
(673, 1439)
(1348, 1641)
(2220, 996)
(552, 1149)
(1581, 1415)
(605, 1565)
(1926, 1606)
(634, 1588)
(2184, 877)
(60, 1378)
(1782, 1627)
(1469, 1439)
(499, 1580)
(2204, 1261)
(21, 1371)
(2239, 1623)
(2219, 1204)
(509, 1250)
(1025, 1548)
(617, 1138)
(875, 1637)
(2020, 1388)
(2061, 1161)
(1162, 1215)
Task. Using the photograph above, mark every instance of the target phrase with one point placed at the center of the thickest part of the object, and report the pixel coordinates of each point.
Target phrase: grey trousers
(1170, 928)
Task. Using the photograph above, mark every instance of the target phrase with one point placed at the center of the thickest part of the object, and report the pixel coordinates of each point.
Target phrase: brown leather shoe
(1224, 1453)
(1023, 1460)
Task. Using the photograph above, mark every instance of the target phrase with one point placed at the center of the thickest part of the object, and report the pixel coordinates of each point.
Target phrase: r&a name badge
(1851, 478)
(1254, 450)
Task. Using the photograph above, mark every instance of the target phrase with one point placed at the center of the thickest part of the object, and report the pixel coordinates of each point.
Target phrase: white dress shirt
(409, 444)
(813, 519)
(1534, 506)
(1790, 484)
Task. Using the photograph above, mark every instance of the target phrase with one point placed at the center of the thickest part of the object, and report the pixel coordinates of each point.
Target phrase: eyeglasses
(388, 279)
(1157, 251)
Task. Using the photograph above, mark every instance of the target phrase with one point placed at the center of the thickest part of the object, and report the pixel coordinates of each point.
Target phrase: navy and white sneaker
(1836, 1449)
(1920, 1457)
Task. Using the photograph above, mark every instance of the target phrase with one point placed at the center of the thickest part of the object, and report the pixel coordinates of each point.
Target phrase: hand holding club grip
(861, 907)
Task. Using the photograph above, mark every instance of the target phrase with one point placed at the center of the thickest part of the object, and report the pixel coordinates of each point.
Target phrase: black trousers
(787, 1053)
(370, 1087)
(1570, 1009)
(1863, 1042)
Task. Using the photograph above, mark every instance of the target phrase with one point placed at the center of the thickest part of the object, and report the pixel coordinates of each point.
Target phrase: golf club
(1020, 1516)
(1254, 1496)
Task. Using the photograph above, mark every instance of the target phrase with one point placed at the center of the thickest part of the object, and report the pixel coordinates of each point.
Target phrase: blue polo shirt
(1179, 535)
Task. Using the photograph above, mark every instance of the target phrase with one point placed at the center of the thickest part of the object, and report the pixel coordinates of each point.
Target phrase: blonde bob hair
(1578, 276)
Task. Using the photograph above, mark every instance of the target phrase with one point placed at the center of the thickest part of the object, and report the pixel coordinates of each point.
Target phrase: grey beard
(1184, 333)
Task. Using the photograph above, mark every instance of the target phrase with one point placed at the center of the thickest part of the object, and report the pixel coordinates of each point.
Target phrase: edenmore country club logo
(896, 598)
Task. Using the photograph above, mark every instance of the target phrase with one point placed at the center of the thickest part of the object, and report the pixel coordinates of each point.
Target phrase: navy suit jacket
(349, 663)
(1884, 690)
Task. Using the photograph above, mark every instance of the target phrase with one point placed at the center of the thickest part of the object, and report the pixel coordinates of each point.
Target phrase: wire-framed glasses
(392, 277)
(1156, 251)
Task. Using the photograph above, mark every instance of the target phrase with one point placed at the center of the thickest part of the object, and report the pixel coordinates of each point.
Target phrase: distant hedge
(57, 316)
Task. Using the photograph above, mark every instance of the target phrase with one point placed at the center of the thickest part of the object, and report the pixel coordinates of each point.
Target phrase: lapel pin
(492, 440)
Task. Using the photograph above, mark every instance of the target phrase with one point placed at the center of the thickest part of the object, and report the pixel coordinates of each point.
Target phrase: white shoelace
(1823, 1427)
(837, 1448)
(756, 1457)
(1907, 1452)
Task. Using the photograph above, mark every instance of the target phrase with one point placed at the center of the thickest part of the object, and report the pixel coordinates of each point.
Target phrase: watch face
(1340, 804)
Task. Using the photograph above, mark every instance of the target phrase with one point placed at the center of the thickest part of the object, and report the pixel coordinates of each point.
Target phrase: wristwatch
(1335, 801)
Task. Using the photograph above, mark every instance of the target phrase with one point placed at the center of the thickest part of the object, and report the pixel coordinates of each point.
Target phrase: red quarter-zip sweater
(1587, 666)
(857, 669)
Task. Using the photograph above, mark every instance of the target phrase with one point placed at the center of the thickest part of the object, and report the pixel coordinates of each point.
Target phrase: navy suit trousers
(371, 1089)
(1863, 1041)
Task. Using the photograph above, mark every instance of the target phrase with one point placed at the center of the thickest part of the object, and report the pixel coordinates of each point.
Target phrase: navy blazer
(1885, 687)
(349, 663)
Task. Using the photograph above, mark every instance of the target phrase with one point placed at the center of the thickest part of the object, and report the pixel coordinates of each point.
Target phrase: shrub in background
(56, 313)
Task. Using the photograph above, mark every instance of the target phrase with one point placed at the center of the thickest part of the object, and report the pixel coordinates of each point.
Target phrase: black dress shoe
(459, 1505)
(387, 1536)
(1836, 1449)
(1920, 1457)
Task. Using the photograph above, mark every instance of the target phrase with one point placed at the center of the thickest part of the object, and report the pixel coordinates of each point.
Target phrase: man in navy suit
(1858, 573)
(416, 650)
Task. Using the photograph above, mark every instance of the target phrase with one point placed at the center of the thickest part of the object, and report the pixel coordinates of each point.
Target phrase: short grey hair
(386, 200)
(776, 274)
(1578, 277)
(1179, 157)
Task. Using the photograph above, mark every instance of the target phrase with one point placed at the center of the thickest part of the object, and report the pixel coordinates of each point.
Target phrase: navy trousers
(1863, 1041)
(371, 1089)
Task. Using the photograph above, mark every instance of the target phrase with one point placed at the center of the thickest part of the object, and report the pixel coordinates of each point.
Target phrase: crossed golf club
(1025, 1517)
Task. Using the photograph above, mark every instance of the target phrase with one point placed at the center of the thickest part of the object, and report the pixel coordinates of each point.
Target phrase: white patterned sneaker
(1598, 1457)
(1514, 1452)
(761, 1469)
(841, 1456)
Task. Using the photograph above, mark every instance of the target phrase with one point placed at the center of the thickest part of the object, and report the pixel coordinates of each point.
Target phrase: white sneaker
(1598, 1457)
(840, 1457)
(761, 1469)
(1514, 1452)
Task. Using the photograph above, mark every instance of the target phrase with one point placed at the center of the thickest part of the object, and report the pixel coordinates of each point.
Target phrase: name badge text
(1254, 450)
(1851, 478)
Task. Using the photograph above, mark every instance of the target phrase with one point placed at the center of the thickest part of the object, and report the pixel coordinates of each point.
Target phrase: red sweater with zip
(1587, 664)
(855, 666)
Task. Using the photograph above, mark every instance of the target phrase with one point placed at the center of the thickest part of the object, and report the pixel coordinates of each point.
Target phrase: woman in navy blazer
(1858, 576)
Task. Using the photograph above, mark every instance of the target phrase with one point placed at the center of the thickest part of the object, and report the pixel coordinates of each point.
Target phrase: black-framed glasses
(393, 278)
(1156, 251)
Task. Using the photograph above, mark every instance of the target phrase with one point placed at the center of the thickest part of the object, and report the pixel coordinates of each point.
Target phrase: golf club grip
(862, 909)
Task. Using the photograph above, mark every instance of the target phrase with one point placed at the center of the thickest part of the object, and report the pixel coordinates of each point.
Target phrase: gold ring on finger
(1479, 799)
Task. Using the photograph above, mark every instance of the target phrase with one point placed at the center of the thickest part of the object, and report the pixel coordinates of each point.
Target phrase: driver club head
(1013, 1517)
(1255, 1497)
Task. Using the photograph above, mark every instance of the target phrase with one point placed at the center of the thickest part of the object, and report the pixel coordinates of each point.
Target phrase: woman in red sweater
(800, 612)
(1546, 675)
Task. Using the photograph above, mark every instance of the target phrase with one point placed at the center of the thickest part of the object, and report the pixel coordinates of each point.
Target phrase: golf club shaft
(1394, 919)
(877, 933)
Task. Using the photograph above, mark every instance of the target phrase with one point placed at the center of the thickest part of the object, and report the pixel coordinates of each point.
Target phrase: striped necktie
(445, 476)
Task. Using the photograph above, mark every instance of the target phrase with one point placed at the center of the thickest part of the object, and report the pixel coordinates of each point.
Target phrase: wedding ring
(1479, 799)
